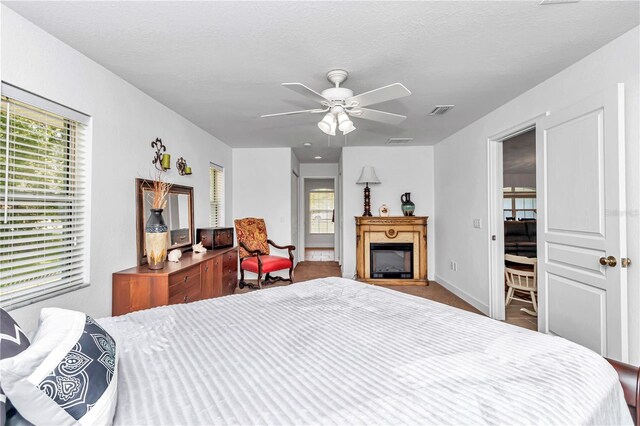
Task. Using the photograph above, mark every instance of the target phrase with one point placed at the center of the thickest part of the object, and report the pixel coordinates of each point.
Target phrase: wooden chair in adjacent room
(521, 275)
(254, 252)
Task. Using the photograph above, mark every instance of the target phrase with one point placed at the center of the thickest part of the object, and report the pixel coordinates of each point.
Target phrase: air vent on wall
(441, 109)
(399, 141)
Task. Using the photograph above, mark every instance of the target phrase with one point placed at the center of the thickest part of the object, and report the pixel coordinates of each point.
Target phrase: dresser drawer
(185, 286)
(230, 262)
(229, 283)
(185, 276)
(187, 292)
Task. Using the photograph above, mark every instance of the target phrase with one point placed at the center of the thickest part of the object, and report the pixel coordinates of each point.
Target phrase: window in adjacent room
(321, 205)
(43, 243)
(519, 203)
(216, 195)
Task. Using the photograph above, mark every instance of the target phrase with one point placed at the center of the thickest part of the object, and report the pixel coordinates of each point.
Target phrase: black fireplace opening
(391, 260)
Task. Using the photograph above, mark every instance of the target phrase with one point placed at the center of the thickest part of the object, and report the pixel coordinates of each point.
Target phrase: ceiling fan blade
(312, 111)
(375, 115)
(305, 91)
(376, 96)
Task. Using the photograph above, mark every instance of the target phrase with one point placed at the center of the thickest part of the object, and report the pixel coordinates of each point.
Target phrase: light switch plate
(477, 223)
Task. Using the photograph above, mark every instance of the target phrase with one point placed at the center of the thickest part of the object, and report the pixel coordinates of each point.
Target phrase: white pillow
(68, 375)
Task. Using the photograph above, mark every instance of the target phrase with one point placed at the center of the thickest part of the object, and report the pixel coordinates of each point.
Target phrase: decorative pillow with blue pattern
(12, 342)
(69, 373)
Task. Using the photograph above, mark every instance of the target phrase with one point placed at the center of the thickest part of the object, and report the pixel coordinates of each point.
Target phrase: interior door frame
(495, 230)
(302, 214)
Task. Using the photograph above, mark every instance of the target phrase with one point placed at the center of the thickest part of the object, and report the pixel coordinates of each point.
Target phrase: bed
(335, 351)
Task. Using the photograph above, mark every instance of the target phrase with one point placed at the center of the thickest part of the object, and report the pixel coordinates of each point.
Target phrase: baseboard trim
(482, 307)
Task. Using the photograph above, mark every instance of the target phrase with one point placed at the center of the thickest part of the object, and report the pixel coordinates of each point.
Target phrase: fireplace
(391, 260)
(391, 250)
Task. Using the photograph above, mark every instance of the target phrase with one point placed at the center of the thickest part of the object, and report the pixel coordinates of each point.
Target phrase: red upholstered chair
(254, 254)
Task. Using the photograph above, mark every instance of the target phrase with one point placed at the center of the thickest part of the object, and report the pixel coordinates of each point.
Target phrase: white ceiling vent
(399, 141)
(440, 109)
(543, 2)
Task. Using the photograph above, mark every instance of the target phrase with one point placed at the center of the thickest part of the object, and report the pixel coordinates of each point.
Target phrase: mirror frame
(143, 184)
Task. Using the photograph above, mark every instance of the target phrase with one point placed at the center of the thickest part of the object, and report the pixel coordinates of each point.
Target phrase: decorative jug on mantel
(408, 207)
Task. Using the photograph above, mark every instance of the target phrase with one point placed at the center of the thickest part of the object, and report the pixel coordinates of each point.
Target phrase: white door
(580, 203)
(294, 214)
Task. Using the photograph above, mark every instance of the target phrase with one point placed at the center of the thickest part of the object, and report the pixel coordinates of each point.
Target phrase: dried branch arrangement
(160, 190)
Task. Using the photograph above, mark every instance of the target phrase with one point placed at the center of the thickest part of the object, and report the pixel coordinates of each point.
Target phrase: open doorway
(520, 229)
(513, 214)
(319, 219)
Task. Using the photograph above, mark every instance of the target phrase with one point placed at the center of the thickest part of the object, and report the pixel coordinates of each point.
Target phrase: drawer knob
(186, 299)
(186, 277)
(206, 268)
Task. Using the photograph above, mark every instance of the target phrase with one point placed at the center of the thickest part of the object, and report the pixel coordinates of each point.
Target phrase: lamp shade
(328, 124)
(368, 175)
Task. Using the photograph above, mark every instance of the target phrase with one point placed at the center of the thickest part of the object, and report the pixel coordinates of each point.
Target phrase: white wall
(400, 169)
(124, 122)
(262, 188)
(319, 169)
(316, 240)
(461, 175)
(295, 203)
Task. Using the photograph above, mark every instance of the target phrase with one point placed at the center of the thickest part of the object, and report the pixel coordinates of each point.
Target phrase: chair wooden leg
(509, 296)
(241, 283)
(260, 276)
(291, 274)
(533, 300)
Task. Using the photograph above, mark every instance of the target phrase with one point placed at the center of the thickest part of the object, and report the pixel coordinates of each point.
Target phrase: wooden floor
(309, 270)
(516, 317)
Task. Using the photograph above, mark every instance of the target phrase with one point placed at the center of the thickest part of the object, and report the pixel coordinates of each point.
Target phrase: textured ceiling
(220, 64)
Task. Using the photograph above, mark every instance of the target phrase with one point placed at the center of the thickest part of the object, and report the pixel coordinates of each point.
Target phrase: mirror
(178, 215)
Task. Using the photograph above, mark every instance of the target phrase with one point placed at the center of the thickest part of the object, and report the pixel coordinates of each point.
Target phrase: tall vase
(156, 240)
(408, 207)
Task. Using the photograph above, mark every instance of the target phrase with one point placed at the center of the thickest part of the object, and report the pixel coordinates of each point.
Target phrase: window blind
(321, 205)
(216, 195)
(42, 190)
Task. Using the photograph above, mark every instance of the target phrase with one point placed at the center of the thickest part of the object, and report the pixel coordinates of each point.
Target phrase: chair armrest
(251, 252)
(630, 380)
(287, 247)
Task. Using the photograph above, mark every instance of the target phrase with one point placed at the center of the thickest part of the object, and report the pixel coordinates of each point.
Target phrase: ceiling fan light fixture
(343, 121)
(328, 124)
(348, 127)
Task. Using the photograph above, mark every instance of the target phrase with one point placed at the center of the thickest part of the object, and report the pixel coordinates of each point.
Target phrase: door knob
(608, 261)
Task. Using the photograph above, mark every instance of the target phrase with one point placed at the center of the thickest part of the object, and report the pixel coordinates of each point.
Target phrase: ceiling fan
(339, 103)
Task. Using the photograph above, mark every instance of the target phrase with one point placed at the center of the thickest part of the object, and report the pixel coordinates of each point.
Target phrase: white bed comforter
(334, 351)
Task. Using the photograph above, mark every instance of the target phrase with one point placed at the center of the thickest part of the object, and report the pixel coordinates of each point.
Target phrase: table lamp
(368, 176)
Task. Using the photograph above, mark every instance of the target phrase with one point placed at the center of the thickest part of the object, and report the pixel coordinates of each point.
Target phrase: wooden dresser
(194, 277)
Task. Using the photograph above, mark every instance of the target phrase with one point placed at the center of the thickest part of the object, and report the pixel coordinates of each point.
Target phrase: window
(43, 240)
(216, 195)
(519, 203)
(321, 204)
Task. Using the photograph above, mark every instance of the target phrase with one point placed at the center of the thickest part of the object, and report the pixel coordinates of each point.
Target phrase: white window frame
(214, 197)
(23, 291)
(311, 210)
(515, 193)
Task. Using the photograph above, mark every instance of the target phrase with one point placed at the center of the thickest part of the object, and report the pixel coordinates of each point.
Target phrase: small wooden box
(215, 238)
